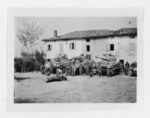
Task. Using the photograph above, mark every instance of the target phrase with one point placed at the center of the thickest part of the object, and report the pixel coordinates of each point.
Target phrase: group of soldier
(76, 67)
(72, 67)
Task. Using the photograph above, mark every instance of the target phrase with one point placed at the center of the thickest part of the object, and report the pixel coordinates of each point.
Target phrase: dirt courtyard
(32, 88)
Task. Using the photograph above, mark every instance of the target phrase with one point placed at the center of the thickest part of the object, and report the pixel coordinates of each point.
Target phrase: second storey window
(110, 47)
(49, 47)
(72, 46)
(88, 48)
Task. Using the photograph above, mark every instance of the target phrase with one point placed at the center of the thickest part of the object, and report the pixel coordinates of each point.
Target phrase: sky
(65, 25)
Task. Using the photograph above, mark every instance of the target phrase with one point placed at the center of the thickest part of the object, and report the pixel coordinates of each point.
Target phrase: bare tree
(28, 33)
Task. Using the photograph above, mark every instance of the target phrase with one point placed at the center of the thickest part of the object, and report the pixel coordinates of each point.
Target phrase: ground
(32, 88)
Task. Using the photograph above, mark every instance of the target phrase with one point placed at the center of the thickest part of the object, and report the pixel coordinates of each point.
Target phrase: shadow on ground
(19, 100)
(21, 78)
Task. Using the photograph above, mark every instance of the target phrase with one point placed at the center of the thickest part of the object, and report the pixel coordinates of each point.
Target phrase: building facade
(121, 43)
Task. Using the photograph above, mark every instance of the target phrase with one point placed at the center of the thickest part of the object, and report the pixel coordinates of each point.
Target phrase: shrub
(18, 62)
(29, 62)
(39, 56)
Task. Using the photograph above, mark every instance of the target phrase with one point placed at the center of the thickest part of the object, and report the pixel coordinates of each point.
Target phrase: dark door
(122, 61)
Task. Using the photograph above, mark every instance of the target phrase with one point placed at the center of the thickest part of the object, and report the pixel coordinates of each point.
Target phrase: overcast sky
(68, 24)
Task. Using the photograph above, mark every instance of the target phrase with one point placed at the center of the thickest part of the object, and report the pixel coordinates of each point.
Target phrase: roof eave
(79, 38)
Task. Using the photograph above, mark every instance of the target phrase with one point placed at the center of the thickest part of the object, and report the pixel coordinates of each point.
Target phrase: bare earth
(78, 89)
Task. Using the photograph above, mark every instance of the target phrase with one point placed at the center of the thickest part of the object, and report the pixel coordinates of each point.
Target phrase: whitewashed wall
(56, 48)
(122, 47)
(76, 52)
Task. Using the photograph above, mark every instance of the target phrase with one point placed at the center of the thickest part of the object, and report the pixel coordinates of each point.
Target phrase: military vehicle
(109, 65)
(133, 69)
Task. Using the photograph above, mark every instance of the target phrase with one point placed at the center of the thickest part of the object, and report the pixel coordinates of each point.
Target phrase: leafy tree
(28, 33)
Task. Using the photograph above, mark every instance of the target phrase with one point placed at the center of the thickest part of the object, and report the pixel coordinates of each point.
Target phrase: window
(87, 48)
(72, 46)
(111, 47)
(87, 40)
(49, 47)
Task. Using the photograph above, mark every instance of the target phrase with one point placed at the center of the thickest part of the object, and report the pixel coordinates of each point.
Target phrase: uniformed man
(80, 68)
(48, 67)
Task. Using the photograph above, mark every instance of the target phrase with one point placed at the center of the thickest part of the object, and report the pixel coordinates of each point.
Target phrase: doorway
(122, 61)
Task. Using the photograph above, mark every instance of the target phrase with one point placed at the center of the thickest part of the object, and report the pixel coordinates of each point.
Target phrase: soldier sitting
(59, 72)
(58, 77)
(55, 78)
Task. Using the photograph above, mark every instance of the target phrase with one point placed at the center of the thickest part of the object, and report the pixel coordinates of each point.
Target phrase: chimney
(55, 33)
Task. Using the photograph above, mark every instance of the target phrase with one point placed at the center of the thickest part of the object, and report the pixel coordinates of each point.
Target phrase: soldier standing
(87, 69)
(127, 65)
(48, 67)
(99, 69)
(80, 68)
(73, 69)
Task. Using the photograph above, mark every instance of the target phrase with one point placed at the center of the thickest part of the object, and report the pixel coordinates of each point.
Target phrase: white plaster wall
(73, 53)
(121, 48)
(51, 54)
(97, 48)
(66, 50)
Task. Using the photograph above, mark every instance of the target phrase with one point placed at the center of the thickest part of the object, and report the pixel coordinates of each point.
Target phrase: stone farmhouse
(122, 43)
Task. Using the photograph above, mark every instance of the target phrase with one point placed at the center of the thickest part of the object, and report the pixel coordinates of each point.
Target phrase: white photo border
(73, 12)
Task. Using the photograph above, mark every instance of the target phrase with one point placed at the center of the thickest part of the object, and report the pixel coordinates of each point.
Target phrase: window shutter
(75, 46)
(70, 46)
(50, 47)
(107, 47)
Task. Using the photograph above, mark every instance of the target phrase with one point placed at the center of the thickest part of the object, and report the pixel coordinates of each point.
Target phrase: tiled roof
(95, 34)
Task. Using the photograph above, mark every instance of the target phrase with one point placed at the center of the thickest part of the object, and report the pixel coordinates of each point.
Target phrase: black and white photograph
(75, 60)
